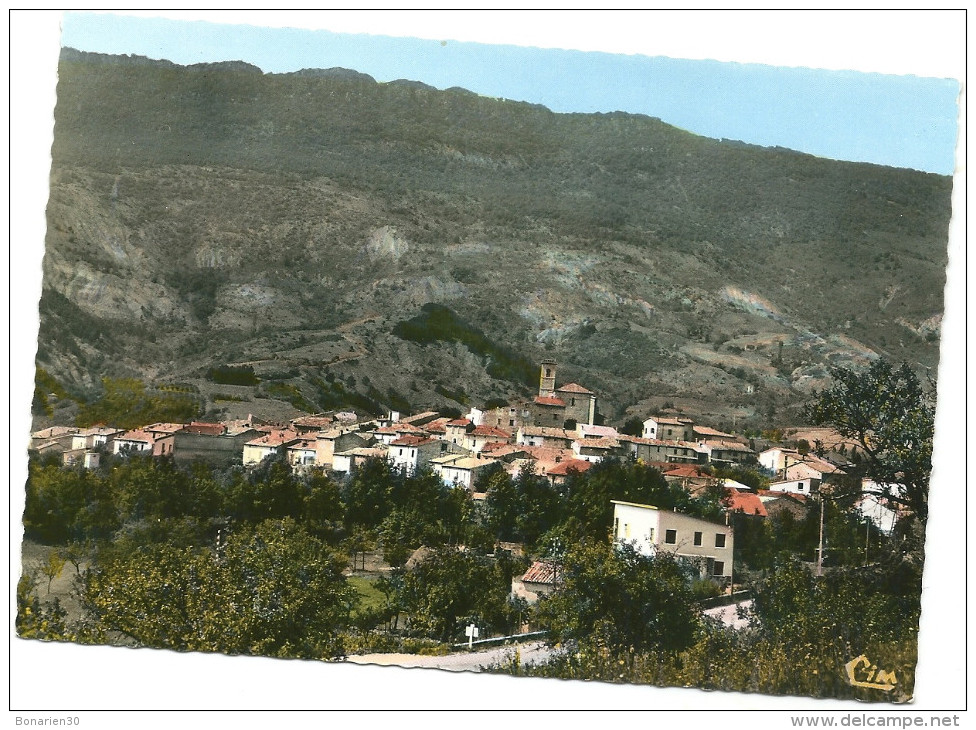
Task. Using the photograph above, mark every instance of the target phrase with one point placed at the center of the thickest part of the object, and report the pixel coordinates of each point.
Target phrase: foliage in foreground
(804, 630)
(885, 410)
(622, 598)
(274, 590)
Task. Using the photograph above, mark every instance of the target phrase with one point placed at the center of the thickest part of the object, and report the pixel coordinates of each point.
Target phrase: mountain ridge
(228, 214)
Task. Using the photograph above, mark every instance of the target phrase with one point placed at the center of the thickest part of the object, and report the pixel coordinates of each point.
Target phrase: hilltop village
(552, 436)
(333, 536)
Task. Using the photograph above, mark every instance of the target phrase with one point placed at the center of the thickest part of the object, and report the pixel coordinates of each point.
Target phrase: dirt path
(63, 587)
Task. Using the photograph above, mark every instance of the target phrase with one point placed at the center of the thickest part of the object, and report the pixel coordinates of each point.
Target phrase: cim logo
(862, 673)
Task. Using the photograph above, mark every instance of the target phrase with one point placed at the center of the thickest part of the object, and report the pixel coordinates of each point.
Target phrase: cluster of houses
(553, 435)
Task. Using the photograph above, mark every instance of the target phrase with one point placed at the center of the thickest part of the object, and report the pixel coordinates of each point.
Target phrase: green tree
(269, 491)
(322, 507)
(540, 507)
(633, 426)
(37, 619)
(451, 588)
(621, 599)
(589, 508)
(368, 493)
(886, 411)
(501, 504)
(272, 590)
(53, 567)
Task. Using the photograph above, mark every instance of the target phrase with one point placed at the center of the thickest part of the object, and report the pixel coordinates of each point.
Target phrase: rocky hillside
(211, 215)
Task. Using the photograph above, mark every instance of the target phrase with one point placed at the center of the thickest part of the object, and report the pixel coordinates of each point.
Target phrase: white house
(301, 453)
(88, 459)
(136, 441)
(538, 581)
(594, 449)
(456, 431)
(256, 450)
(555, 438)
(345, 461)
(92, 438)
(651, 530)
(727, 451)
(476, 439)
(777, 459)
(880, 511)
(796, 486)
(411, 453)
(667, 428)
(650, 449)
(461, 471)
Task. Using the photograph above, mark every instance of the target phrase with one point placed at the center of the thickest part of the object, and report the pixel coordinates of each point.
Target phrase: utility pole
(867, 537)
(820, 549)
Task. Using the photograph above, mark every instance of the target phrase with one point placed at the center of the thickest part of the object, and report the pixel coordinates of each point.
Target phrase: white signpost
(471, 631)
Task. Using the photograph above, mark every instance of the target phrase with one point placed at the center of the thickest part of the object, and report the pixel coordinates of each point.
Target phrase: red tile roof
(667, 420)
(312, 421)
(495, 446)
(748, 502)
(164, 427)
(710, 432)
(490, 431)
(548, 401)
(683, 470)
(548, 432)
(303, 444)
(463, 422)
(137, 434)
(563, 468)
(540, 572)
(574, 388)
(209, 429)
(400, 428)
(601, 443)
(275, 438)
(410, 440)
(727, 446)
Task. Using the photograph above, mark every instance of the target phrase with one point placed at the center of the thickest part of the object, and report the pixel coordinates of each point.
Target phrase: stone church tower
(547, 379)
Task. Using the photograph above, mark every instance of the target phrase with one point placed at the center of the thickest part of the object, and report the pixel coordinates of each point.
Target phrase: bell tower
(547, 379)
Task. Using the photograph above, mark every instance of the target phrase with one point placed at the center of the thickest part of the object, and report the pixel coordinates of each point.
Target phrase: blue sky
(897, 120)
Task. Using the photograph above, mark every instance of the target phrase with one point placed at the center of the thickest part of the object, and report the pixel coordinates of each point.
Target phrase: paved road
(729, 615)
(461, 661)
(535, 651)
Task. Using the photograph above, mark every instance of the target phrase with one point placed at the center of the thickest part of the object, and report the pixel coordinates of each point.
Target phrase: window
(698, 538)
(616, 527)
(650, 536)
(801, 486)
(718, 568)
(572, 401)
(719, 539)
(671, 537)
(511, 421)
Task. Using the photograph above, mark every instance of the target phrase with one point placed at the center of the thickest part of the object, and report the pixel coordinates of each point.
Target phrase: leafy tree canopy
(272, 590)
(621, 598)
(891, 417)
